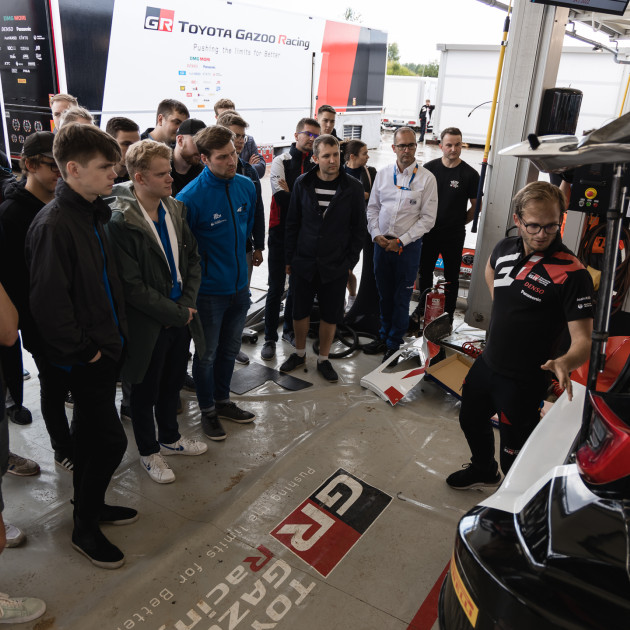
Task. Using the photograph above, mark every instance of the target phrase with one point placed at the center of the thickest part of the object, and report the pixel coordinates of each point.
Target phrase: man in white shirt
(402, 208)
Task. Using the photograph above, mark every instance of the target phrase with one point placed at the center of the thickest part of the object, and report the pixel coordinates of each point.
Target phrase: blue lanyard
(415, 170)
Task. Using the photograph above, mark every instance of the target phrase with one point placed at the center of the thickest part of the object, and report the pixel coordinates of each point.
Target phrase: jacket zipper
(238, 266)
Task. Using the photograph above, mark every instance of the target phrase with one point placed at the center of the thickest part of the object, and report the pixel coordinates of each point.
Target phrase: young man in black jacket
(325, 231)
(78, 305)
(22, 205)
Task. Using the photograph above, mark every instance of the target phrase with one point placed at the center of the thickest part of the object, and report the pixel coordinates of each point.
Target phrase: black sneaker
(19, 415)
(471, 477)
(212, 427)
(189, 383)
(294, 361)
(125, 412)
(389, 353)
(327, 371)
(97, 549)
(65, 463)
(117, 515)
(268, 351)
(229, 411)
(375, 347)
(69, 402)
(242, 358)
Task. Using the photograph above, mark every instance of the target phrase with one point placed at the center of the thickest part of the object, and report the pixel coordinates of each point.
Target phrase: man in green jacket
(158, 262)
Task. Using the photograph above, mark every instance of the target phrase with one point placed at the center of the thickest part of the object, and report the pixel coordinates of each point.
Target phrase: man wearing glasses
(402, 208)
(285, 169)
(541, 321)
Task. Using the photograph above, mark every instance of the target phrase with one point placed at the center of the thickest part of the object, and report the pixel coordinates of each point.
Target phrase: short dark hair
(223, 103)
(326, 108)
(326, 139)
(451, 131)
(120, 123)
(226, 119)
(211, 138)
(538, 191)
(306, 121)
(170, 105)
(353, 147)
(81, 143)
(33, 161)
(403, 129)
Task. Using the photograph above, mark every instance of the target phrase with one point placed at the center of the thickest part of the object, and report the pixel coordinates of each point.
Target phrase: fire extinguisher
(434, 304)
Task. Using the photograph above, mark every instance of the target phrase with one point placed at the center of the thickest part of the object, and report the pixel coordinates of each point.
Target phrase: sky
(417, 26)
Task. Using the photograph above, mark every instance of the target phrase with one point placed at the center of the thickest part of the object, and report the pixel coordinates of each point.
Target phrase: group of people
(124, 246)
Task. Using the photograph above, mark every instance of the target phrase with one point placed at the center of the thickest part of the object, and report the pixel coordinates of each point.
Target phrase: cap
(38, 143)
(190, 127)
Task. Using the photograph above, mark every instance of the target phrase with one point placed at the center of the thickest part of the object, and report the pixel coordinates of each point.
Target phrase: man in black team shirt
(457, 184)
(540, 291)
(325, 231)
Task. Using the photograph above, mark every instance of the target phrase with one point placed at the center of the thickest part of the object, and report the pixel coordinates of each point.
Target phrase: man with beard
(186, 164)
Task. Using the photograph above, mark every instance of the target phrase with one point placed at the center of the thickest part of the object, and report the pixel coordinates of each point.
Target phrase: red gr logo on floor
(326, 526)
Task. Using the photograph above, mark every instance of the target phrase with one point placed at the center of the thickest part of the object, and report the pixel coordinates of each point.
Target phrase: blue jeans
(395, 275)
(222, 318)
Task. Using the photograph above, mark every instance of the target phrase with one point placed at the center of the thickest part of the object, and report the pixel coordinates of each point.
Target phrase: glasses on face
(240, 136)
(309, 134)
(52, 166)
(406, 147)
(534, 228)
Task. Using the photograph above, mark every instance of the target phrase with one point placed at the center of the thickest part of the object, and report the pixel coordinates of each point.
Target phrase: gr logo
(323, 529)
(159, 20)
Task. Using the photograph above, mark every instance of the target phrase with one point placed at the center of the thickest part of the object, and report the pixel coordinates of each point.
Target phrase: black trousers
(516, 401)
(450, 246)
(99, 438)
(54, 384)
(159, 390)
(12, 368)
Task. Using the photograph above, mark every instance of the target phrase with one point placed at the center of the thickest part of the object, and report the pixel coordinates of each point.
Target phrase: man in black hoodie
(77, 303)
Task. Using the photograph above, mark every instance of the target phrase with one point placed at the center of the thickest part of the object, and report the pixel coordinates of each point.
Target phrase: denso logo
(159, 20)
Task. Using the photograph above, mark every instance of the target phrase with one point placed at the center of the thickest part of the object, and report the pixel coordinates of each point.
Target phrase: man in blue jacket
(221, 206)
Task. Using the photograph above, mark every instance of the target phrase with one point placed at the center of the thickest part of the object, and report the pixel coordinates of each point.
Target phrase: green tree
(395, 67)
(351, 15)
(393, 54)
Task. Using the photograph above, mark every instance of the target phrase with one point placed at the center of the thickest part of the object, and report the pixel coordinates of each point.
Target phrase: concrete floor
(293, 522)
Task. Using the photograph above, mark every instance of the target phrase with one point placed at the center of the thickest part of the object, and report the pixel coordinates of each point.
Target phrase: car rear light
(412, 123)
(385, 119)
(605, 456)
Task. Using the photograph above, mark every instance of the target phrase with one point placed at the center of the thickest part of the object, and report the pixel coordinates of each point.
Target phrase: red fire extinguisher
(434, 304)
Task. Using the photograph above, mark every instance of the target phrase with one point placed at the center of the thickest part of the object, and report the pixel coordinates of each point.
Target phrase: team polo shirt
(535, 296)
(456, 186)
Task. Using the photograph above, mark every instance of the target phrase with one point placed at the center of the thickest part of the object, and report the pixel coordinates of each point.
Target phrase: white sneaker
(20, 609)
(157, 468)
(15, 536)
(184, 446)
